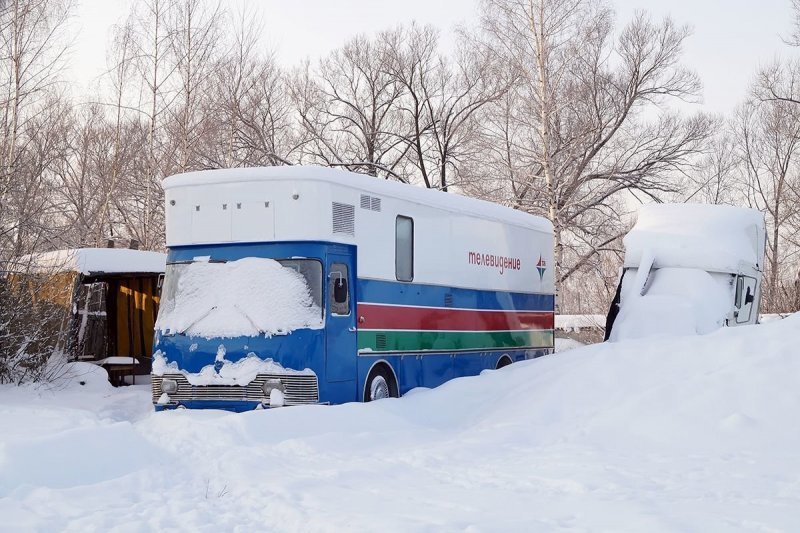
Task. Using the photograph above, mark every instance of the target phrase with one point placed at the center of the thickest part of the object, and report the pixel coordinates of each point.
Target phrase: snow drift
(687, 434)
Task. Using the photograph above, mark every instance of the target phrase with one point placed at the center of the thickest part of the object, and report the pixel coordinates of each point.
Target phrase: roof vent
(344, 218)
(371, 203)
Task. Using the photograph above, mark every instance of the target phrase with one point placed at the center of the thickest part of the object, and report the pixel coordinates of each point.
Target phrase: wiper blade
(252, 322)
(195, 321)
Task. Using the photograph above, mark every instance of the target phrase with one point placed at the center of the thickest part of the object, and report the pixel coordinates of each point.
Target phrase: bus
(298, 285)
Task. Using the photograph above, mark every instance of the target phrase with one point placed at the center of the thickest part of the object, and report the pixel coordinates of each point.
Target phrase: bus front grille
(298, 389)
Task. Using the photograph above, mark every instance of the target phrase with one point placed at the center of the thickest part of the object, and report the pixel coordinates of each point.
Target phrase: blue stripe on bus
(399, 293)
(370, 290)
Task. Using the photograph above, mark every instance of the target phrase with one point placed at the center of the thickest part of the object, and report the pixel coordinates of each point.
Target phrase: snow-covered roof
(98, 261)
(450, 201)
(711, 237)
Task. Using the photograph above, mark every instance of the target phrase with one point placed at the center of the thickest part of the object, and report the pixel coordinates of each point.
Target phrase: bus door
(341, 344)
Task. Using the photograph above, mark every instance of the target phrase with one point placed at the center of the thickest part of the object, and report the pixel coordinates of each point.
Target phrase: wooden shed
(106, 301)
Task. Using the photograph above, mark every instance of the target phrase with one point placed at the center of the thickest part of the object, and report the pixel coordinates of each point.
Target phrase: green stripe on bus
(411, 341)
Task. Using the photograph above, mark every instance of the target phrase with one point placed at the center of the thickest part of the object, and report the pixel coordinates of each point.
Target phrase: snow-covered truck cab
(689, 269)
(298, 285)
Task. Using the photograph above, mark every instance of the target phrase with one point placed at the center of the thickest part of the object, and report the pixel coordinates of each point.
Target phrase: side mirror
(748, 297)
(340, 290)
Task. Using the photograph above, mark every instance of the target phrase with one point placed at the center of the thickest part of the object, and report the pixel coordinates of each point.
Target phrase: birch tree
(589, 128)
(33, 43)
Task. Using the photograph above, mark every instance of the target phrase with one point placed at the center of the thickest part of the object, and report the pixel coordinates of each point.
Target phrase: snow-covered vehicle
(689, 269)
(103, 304)
(297, 285)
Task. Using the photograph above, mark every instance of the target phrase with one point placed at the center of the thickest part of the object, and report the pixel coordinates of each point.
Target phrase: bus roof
(419, 195)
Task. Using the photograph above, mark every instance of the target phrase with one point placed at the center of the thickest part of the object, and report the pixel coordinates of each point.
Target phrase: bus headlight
(170, 386)
(272, 384)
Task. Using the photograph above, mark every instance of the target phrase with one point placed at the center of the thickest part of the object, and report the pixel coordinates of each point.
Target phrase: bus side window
(338, 290)
(404, 249)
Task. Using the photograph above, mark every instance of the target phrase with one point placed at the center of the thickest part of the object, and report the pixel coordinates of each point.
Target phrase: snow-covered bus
(299, 285)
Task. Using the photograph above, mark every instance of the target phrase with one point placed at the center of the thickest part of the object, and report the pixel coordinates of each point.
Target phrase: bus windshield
(246, 297)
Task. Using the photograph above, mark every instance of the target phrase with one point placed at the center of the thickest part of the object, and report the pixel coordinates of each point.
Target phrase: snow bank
(224, 371)
(684, 434)
(247, 297)
(579, 322)
(710, 237)
(97, 260)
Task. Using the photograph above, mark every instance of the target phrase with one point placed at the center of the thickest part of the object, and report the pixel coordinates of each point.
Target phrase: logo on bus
(541, 266)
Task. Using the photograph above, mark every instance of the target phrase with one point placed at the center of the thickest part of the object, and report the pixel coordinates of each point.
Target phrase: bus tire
(380, 384)
(504, 360)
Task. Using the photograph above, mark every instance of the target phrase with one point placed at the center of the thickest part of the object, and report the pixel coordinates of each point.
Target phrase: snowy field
(687, 434)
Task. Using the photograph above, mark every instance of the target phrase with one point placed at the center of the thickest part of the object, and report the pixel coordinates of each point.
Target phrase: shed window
(404, 249)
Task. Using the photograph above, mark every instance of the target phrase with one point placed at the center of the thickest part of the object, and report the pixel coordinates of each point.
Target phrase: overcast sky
(731, 37)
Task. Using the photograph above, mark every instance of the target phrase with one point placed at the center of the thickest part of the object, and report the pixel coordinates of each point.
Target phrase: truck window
(404, 249)
(339, 290)
(745, 297)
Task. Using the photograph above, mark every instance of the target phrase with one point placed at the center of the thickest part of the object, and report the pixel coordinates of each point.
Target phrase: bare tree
(151, 39)
(33, 43)
(195, 32)
(716, 180)
(252, 106)
(769, 146)
(350, 112)
(440, 99)
(587, 123)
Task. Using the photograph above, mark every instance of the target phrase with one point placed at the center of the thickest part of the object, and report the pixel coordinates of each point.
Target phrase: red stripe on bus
(376, 316)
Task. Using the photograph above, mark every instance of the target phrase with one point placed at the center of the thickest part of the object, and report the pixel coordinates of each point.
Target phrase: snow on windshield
(677, 302)
(248, 297)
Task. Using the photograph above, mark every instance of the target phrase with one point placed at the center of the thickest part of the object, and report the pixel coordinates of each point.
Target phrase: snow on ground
(564, 344)
(684, 434)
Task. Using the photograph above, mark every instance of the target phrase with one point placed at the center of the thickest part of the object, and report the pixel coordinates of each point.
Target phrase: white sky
(731, 37)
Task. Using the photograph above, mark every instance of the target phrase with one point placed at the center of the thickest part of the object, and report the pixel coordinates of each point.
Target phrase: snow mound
(248, 297)
(684, 434)
(88, 376)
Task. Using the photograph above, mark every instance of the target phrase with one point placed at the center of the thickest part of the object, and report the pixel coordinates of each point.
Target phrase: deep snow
(684, 434)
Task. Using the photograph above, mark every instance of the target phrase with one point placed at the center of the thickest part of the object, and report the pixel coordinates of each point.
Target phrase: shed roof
(97, 261)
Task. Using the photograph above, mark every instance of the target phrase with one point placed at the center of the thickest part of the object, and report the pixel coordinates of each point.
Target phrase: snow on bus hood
(248, 297)
(224, 371)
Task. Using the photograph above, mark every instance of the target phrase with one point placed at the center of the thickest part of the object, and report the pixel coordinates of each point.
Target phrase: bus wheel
(503, 361)
(380, 384)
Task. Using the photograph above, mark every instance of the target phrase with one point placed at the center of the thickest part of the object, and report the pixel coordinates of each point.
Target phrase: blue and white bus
(303, 285)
